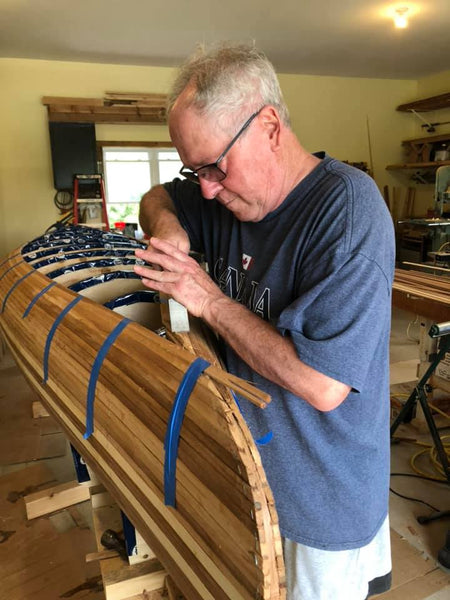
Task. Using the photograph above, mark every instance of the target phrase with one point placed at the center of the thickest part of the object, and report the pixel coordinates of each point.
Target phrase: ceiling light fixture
(400, 17)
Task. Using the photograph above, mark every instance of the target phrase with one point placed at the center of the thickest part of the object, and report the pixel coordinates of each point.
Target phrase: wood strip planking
(222, 580)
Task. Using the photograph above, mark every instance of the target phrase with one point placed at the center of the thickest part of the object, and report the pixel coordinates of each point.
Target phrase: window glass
(169, 169)
(130, 172)
(127, 181)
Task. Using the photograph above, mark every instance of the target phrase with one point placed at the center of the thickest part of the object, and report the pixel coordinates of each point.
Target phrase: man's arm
(157, 217)
(258, 343)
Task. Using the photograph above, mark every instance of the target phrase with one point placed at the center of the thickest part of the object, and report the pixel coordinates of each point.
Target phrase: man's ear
(272, 125)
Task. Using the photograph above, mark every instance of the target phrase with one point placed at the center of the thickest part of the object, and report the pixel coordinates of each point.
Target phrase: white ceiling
(323, 37)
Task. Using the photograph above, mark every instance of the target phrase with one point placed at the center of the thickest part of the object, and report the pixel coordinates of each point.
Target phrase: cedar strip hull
(221, 541)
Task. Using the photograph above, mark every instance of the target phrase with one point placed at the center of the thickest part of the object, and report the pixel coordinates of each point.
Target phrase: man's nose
(210, 189)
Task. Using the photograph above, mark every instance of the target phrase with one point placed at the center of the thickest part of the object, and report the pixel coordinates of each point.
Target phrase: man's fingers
(167, 248)
(175, 260)
(155, 275)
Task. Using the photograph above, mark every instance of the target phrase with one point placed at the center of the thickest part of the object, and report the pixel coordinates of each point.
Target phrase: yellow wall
(26, 180)
(327, 113)
(339, 114)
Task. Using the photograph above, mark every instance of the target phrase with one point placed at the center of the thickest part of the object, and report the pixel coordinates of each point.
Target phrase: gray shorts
(313, 574)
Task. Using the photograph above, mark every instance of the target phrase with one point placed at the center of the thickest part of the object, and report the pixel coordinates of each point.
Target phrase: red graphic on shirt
(247, 261)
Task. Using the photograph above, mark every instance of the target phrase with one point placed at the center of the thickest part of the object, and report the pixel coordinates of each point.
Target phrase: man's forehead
(197, 138)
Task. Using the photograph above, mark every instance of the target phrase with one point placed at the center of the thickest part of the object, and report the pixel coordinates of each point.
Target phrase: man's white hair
(229, 81)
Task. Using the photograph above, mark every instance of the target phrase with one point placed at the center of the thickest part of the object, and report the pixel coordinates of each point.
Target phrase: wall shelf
(418, 165)
(113, 108)
(427, 104)
(420, 152)
(430, 139)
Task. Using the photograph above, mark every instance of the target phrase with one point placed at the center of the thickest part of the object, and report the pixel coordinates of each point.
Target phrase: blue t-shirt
(320, 269)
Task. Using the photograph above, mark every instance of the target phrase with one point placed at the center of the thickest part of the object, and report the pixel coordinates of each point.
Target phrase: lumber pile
(422, 293)
(220, 540)
(113, 108)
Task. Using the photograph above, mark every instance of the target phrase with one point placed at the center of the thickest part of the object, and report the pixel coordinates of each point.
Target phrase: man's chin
(237, 206)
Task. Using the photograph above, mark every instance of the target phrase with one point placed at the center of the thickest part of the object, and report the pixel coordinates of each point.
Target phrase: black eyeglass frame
(195, 175)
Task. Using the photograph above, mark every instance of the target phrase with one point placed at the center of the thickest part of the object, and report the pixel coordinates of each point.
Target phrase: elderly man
(300, 253)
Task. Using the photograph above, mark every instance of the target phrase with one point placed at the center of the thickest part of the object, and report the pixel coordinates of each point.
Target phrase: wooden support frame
(120, 579)
(55, 498)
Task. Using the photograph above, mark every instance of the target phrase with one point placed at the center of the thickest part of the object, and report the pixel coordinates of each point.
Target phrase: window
(130, 172)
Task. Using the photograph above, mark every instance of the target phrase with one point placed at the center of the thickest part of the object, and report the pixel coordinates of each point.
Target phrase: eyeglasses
(212, 172)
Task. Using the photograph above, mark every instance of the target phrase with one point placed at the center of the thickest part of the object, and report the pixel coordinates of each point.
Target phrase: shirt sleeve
(339, 318)
(188, 203)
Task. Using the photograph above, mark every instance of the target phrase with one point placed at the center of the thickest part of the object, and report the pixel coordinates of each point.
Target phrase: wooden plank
(120, 579)
(71, 101)
(427, 104)
(136, 97)
(417, 165)
(120, 585)
(412, 302)
(173, 592)
(422, 293)
(106, 114)
(431, 139)
(101, 555)
(35, 560)
(39, 410)
(55, 498)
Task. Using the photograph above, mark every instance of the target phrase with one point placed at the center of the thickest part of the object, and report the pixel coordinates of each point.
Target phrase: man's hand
(174, 272)
(257, 342)
(175, 237)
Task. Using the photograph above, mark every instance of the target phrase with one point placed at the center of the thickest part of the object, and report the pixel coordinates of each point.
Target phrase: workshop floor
(416, 575)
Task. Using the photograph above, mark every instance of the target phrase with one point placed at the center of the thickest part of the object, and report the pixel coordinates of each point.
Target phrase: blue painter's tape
(265, 439)
(103, 278)
(95, 373)
(36, 298)
(133, 298)
(99, 262)
(51, 333)
(5, 300)
(174, 424)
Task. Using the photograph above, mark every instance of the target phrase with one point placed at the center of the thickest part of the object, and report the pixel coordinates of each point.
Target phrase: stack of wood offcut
(114, 107)
(424, 294)
(221, 539)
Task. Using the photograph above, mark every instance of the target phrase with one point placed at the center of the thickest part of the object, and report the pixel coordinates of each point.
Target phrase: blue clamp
(174, 424)
(52, 331)
(95, 373)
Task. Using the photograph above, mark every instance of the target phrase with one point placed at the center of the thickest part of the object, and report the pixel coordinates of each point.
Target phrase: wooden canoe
(219, 539)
